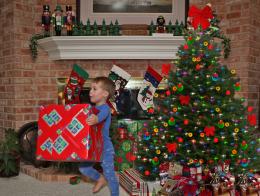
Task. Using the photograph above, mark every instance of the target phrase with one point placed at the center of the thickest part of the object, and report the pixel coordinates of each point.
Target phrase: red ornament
(171, 147)
(185, 100)
(155, 159)
(228, 92)
(168, 93)
(210, 46)
(215, 140)
(179, 85)
(252, 119)
(130, 157)
(200, 17)
(180, 140)
(186, 122)
(147, 173)
(209, 131)
(198, 67)
(250, 109)
(243, 143)
(186, 47)
(172, 119)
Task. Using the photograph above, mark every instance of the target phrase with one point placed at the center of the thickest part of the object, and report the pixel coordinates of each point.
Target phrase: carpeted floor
(24, 185)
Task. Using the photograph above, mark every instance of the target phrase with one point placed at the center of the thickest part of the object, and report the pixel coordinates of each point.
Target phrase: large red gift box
(64, 134)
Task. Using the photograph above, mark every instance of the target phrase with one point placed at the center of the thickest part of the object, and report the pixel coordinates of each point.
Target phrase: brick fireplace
(25, 84)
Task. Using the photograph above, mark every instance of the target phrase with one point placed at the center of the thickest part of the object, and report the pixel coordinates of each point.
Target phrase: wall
(25, 84)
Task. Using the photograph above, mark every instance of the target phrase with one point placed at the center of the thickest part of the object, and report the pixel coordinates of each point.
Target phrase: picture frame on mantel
(131, 11)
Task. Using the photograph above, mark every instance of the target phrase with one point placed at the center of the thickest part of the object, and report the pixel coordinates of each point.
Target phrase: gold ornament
(155, 95)
(190, 134)
(205, 43)
(156, 130)
(158, 152)
(217, 88)
(234, 151)
(233, 71)
(165, 124)
(236, 130)
(226, 124)
(217, 109)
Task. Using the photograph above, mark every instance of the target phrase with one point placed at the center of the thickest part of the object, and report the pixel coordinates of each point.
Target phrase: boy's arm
(102, 115)
(95, 119)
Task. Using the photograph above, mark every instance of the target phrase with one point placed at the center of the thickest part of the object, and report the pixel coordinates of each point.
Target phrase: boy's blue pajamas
(107, 157)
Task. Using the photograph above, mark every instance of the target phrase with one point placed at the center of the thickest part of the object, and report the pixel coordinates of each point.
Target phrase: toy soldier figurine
(160, 25)
(69, 19)
(57, 20)
(46, 19)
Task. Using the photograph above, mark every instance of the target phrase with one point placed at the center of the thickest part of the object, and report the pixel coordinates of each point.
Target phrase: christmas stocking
(120, 78)
(151, 82)
(75, 84)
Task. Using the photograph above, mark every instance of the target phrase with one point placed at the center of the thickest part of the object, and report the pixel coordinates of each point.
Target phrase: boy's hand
(92, 119)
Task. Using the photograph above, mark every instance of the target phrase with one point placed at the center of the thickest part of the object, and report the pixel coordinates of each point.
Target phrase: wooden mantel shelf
(111, 47)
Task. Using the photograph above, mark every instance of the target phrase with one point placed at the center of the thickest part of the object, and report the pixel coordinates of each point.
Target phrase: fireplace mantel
(111, 47)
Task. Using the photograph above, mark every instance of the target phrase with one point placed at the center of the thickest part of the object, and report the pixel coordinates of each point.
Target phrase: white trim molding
(111, 47)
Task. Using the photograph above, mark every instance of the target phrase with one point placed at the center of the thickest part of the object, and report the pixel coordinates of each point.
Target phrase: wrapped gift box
(131, 181)
(64, 135)
(124, 137)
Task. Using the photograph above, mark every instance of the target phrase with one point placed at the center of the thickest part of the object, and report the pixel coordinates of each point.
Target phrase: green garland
(214, 30)
(34, 43)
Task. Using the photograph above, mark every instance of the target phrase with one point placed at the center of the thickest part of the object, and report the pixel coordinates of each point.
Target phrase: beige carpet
(24, 185)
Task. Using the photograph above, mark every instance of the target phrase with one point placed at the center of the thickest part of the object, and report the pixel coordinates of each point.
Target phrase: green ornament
(155, 163)
(171, 122)
(244, 147)
(180, 88)
(126, 146)
(237, 88)
(221, 125)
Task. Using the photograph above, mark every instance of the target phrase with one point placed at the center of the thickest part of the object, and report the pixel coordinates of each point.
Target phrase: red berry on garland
(210, 46)
(168, 93)
(228, 92)
(180, 140)
(147, 173)
(186, 122)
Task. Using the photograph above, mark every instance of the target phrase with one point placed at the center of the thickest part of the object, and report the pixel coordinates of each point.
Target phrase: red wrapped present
(194, 172)
(64, 134)
(187, 185)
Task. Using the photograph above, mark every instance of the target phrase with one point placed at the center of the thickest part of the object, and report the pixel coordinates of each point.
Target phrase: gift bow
(171, 147)
(209, 131)
(185, 100)
(200, 17)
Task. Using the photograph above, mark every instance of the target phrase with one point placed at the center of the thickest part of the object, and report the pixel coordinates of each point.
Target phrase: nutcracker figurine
(57, 20)
(69, 19)
(160, 25)
(46, 19)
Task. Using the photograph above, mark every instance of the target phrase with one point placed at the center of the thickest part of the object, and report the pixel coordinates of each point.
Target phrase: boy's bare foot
(101, 182)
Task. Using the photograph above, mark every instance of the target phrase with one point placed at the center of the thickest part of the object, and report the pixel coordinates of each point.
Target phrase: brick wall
(25, 84)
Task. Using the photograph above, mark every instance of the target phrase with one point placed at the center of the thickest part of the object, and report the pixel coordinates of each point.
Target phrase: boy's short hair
(107, 84)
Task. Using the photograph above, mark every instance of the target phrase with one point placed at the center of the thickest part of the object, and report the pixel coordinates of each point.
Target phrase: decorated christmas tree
(199, 120)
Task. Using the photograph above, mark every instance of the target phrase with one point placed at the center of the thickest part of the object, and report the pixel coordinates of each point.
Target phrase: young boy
(102, 89)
